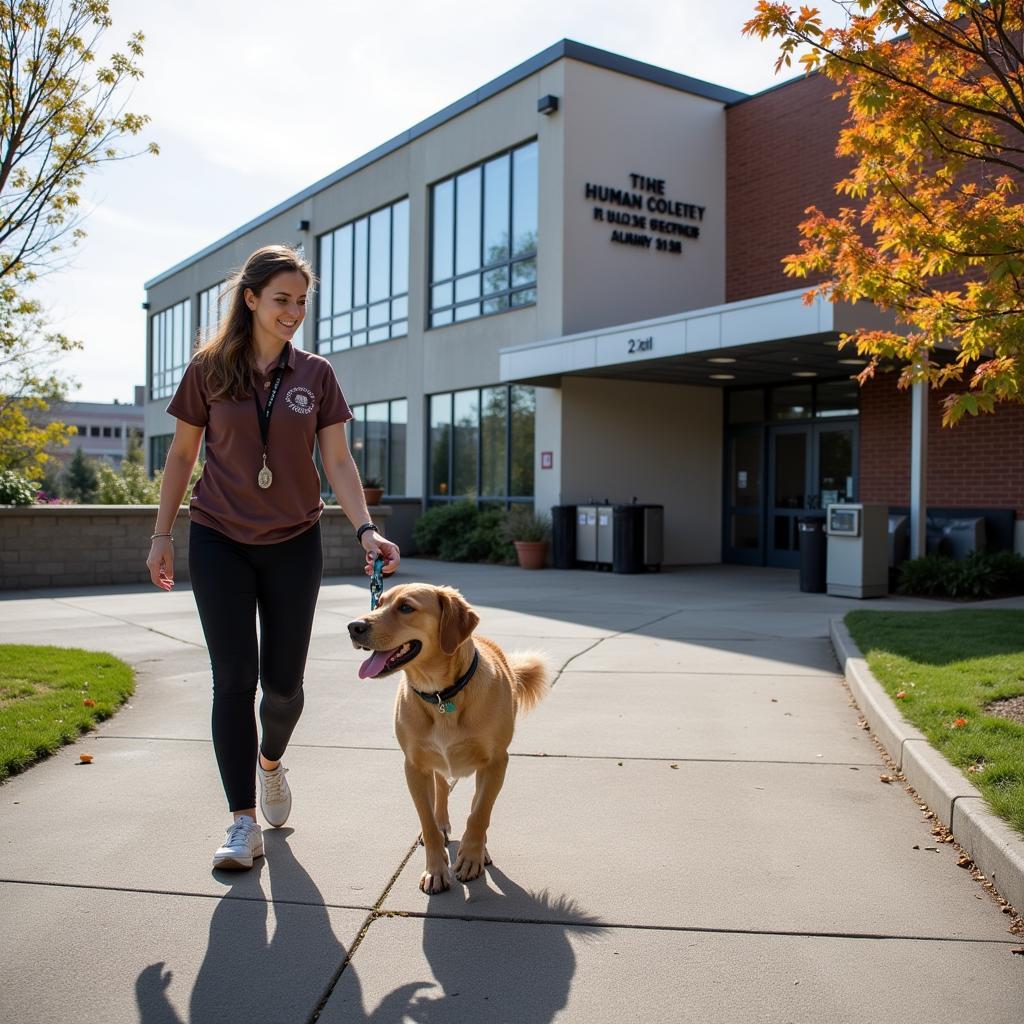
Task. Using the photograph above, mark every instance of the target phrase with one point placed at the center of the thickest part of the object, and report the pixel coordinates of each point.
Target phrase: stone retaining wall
(83, 545)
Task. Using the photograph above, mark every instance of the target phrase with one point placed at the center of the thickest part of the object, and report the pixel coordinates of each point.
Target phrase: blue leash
(376, 582)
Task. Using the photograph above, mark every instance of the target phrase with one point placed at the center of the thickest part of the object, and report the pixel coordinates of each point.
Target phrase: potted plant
(373, 490)
(529, 533)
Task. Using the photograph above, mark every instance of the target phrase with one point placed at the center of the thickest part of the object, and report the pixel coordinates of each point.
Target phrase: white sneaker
(244, 842)
(275, 796)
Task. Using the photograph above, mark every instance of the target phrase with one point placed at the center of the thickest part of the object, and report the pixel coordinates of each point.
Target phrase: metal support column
(918, 467)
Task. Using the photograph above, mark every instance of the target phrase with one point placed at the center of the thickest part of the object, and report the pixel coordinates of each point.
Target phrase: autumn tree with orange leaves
(935, 229)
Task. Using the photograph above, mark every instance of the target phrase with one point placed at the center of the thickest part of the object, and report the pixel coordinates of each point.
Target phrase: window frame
(164, 352)
(505, 500)
(511, 290)
(343, 341)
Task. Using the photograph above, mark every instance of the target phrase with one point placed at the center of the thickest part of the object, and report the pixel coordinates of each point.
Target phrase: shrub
(981, 574)
(462, 532)
(522, 523)
(16, 489)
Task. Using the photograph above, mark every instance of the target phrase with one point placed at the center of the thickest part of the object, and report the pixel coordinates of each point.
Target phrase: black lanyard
(263, 415)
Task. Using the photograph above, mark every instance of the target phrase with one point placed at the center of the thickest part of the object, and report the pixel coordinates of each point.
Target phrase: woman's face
(280, 308)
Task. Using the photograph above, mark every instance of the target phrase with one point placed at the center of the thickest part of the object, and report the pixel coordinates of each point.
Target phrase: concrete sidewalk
(692, 829)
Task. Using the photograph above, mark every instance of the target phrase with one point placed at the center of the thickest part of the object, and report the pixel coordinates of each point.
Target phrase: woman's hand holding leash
(374, 544)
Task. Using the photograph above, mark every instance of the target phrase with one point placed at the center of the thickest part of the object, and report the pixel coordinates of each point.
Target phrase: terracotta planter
(373, 495)
(532, 554)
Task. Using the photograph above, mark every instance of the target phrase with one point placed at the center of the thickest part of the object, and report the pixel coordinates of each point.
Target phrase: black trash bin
(813, 557)
(628, 538)
(563, 536)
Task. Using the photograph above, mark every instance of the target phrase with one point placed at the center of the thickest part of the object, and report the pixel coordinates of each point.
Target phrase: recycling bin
(586, 534)
(563, 536)
(813, 554)
(605, 536)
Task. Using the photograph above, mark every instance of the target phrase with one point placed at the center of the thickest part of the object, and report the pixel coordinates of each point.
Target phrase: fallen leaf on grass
(958, 723)
(901, 694)
(89, 703)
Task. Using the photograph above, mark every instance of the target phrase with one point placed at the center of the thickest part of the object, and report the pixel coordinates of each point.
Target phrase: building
(105, 429)
(566, 286)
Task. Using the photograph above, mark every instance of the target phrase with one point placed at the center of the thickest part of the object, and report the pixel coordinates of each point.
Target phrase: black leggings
(231, 582)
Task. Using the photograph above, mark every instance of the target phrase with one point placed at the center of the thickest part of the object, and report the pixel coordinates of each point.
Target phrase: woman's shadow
(249, 974)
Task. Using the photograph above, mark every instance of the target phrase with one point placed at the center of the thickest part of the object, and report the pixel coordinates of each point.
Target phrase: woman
(254, 539)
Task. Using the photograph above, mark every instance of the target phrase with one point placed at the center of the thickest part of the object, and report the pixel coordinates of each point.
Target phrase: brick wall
(781, 159)
(86, 545)
(979, 462)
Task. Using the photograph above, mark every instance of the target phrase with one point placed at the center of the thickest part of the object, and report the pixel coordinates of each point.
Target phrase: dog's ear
(458, 620)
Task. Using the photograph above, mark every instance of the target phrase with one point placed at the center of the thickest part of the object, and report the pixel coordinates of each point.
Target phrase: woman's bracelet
(155, 535)
(362, 529)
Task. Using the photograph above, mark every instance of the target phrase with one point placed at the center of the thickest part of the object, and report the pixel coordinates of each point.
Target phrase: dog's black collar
(442, 699)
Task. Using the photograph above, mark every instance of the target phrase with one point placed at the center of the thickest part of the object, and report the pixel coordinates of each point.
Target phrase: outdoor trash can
(637, 538)
(813, 562)
(563, 536)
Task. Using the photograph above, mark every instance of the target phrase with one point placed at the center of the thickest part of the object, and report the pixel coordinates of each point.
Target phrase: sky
(253, 100)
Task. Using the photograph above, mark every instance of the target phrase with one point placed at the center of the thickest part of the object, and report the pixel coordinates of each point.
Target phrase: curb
(996, 849)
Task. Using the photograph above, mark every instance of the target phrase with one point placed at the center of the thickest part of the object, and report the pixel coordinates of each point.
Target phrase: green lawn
(949, 666)
(43, 694)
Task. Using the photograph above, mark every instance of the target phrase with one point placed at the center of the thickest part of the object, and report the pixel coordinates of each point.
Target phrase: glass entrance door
(744, 498)
(810, 466)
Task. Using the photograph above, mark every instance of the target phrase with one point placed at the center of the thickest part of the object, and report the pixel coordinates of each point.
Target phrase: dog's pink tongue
(374, 663)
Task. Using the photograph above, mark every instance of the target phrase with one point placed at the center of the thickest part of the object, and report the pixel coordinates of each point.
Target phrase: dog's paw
(436, 881)
(446, 827)
(470, 862)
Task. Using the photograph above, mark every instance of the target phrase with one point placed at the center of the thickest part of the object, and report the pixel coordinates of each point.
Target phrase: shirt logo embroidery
(300, 400)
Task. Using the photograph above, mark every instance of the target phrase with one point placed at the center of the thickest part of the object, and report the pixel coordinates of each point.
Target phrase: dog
(455, 711)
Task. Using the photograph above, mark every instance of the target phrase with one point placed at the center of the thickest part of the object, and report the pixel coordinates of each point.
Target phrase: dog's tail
(533, 678)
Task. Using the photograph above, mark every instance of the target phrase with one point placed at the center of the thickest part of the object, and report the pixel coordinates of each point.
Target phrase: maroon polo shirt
(227, 497)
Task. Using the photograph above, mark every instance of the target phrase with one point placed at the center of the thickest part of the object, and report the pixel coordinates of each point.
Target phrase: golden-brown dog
(454, 713)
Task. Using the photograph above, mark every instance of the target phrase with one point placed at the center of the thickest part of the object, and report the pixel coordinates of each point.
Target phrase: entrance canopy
(765, 340)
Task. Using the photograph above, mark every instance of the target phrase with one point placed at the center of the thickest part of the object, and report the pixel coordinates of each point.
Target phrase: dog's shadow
(512, 960)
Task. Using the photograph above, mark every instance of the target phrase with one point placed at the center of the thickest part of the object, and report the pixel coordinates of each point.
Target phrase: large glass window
(484, 238)
(364, 280)
(212, 309)
(159, 446)
(481, 444)
(377, 441)
(170, 348)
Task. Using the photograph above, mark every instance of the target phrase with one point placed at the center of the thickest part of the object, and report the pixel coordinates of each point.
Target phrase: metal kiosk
(858, 550)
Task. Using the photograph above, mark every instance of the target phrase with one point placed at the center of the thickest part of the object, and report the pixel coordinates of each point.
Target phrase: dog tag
(447, 707)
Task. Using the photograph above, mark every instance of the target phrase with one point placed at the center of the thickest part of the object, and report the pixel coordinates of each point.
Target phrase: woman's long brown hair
(227, 358)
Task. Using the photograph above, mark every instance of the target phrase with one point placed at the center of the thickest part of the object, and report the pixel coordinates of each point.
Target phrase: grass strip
(51, 695)
(942, 669)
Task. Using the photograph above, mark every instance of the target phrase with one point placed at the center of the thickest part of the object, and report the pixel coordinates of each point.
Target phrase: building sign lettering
(641, 229)
(641, 344)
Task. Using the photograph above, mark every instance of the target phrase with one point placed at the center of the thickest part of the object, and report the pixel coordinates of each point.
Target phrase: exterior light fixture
(722, 359)
(805, 373)
(303, 225)
(547, 104)
(853, 362)
(721, 376)
(145, 305)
